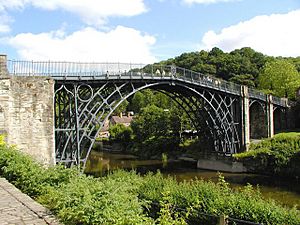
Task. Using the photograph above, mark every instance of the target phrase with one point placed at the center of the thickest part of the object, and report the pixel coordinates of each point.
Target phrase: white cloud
(190, 2)
(4, 28)
(4, 23)
(93, 12)
(277, 35)
(119, 45)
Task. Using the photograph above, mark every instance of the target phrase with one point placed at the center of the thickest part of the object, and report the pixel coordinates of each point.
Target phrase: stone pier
(245, 118)
(27, 113)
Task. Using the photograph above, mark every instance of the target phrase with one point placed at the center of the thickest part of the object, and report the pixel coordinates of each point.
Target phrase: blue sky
(145, 30)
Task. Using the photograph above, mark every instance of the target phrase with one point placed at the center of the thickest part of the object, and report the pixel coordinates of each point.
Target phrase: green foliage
(199, 199)
(244, 79)
(241, 66)
(148, 97)
(28, 175)
(127, 198)
(157, 129)
(109, 200)
(275, 155)
(151, 122)
(167, 214)
(121, 108)
(74, 197)
(120, 133)
(280, 78)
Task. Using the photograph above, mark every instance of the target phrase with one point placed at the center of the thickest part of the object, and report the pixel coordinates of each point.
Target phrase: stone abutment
(27, 114)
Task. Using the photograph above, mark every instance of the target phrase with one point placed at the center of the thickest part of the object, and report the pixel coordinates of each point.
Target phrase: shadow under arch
(279, 119)
(258, 120)
(94, 103)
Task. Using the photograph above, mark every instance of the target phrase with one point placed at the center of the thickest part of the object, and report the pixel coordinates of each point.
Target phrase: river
(285, 191)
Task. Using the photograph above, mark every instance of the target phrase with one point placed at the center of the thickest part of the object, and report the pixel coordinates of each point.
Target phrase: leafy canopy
(280, 77)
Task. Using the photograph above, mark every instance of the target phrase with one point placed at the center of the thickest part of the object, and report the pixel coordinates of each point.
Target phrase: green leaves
(203, 200)
(277, 155)
(86, 200)
(120, 133)
(280, 78)
(127, 198)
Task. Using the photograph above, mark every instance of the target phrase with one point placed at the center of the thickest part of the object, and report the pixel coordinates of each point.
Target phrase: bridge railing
(68, 69)
(280, 101)
(256, 94)
(209, 81)
(93, 70)
(135, 71)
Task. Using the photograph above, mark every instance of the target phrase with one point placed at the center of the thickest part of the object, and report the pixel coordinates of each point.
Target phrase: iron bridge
(86, 95)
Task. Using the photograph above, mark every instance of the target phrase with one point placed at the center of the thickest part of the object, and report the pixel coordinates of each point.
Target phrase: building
(104, 132)
(121, 119)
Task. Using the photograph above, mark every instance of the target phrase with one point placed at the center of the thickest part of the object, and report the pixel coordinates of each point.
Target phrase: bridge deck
(78, 71)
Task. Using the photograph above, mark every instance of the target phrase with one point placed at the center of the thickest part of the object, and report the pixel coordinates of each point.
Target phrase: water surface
(285, 191)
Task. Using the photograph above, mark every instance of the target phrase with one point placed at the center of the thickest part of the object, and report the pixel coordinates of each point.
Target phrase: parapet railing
(256, 94)
(91, 70)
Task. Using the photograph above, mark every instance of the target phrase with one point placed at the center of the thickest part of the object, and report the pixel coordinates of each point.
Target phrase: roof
(123, 119)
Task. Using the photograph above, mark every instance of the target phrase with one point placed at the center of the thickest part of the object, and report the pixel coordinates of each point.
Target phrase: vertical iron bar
(77, 125)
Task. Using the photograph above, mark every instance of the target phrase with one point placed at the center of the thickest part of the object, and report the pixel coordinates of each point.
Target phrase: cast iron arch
(78, 122)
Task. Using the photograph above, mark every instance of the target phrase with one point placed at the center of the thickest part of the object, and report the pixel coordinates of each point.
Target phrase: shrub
(127, 198)
(200, 199)
(87, 200)
(275, 155)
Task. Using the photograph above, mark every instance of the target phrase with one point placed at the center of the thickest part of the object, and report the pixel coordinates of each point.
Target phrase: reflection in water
(284, 191)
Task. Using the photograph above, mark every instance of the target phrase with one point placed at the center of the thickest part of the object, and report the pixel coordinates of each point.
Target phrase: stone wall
(27, 115)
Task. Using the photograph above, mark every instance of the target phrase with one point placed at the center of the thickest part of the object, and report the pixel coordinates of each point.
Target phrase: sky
(145, 31)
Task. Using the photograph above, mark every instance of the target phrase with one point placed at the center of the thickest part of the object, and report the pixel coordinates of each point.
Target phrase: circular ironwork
(85, 92)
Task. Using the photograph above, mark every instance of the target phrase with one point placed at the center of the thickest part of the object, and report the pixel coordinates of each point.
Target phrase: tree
(137, 102)
(120, 133)
(150, 123)
(279, 77)
(244, 79)
(141, 99)
(121, 108)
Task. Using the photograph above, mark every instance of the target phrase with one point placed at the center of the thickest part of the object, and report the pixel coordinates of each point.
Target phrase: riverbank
(285, 191)
(277, 156)
(128, 198)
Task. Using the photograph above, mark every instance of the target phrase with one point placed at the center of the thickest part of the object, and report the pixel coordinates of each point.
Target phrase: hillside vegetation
(245, 66)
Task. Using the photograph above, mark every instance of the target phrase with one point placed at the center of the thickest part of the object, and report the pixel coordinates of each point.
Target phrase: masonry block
(27, 115)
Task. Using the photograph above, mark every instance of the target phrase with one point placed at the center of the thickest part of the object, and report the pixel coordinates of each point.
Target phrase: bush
(277, 155)
(127, 198)
(201, 199)
(97, 201)
(74, 197)
(120, 133)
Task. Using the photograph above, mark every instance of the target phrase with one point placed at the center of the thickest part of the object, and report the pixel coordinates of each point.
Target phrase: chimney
(130, 113)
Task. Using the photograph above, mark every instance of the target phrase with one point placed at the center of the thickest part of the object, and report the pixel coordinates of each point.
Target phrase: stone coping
(18, 208)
